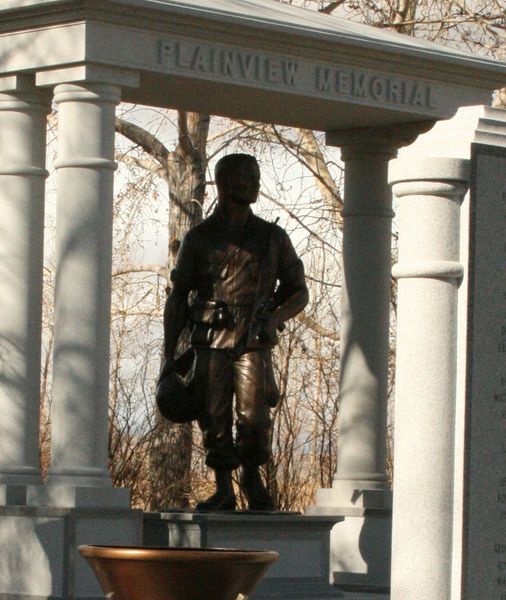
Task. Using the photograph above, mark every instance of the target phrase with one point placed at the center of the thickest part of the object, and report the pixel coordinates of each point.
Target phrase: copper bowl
(135, 573)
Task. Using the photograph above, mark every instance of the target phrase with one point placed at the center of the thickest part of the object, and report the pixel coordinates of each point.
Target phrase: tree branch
(298, 220)
(330, 8)
(146, 140)
(185, 142)
(307, 152)
(153, 269)
(317, 328)
(148, 165)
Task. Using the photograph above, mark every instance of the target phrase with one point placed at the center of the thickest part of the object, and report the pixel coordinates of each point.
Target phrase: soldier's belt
(218, 314)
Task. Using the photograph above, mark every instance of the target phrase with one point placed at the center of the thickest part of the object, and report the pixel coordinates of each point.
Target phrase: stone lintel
(20, 82)
(239, 76)
(42, 48)
(23, 84)
(89, 73)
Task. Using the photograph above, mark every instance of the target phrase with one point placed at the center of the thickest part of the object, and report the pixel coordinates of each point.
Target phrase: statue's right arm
(175, 316)
(176, 312)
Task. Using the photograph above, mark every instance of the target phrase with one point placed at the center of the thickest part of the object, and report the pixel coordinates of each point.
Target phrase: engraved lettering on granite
(228, 63)
(375, 87)
(282, 72)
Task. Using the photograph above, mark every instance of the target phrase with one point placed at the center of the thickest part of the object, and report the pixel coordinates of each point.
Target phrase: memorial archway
(371, 91)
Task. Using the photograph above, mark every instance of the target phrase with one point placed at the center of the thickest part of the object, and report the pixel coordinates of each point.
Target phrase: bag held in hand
(174, 391)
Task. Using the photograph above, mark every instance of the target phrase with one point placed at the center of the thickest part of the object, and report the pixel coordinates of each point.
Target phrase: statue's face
(240, 185)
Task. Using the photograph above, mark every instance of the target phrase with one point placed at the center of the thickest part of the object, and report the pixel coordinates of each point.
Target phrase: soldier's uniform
(230, 275)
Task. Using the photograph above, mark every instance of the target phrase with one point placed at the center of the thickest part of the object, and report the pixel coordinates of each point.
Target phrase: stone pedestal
(39, 558)
(430, 193)
(301, 572)
(23, 111)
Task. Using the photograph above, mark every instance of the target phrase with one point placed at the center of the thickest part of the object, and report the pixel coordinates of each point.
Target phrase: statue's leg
(213, 378)
(224, 496)
(253, 426)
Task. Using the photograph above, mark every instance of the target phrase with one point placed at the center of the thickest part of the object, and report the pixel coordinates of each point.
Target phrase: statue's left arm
(292, 294)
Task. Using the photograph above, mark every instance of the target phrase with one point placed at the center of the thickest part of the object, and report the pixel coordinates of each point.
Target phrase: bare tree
(184, 170)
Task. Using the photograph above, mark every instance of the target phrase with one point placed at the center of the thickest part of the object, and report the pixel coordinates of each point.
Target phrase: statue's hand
(169, 366)
(268, 332)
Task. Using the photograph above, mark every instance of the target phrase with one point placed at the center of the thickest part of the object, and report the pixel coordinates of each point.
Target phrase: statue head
(237, 178)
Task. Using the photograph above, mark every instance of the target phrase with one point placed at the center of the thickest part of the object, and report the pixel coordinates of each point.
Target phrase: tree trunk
(172, 448)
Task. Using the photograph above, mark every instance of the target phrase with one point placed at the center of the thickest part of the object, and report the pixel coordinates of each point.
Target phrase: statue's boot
(255, 491)
(224, 497)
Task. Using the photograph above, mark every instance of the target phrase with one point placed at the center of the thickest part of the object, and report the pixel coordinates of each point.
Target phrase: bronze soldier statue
(237, 278)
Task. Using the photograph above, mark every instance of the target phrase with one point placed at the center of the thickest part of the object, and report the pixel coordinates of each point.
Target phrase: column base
(95, 477)
(20, 476)
(67, 496)
(346, 494)
(360, 545)
(64, 496)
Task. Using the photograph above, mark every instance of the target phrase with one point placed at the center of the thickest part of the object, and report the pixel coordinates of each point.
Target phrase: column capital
(382, 141)
(87, 92)
(430, 191)
(425, 173)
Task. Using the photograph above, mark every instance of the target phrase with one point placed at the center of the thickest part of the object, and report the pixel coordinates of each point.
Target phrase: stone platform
(39, 558)
(303, 543)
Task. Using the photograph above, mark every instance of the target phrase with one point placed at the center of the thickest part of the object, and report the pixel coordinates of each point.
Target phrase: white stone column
(361, 479)
(430, 193)
(365, 310)
(85, 165)
(360, 545)
(23, 111)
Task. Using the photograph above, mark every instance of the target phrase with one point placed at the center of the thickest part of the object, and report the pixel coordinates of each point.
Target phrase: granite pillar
(430, 193)
(85, 167)
(23, 111)
(365, 312)
(360, 546)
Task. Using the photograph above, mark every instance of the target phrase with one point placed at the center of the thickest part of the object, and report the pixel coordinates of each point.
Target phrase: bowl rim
(166, 554)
